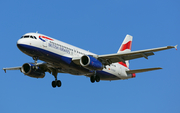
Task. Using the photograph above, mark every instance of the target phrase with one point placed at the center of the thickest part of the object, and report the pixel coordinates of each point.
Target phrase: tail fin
(126, 47)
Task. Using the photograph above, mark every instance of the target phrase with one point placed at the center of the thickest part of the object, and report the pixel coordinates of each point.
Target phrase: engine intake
(91, 63)
(32, 70)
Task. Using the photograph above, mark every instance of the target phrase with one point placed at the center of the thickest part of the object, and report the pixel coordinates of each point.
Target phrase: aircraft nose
(19, 44)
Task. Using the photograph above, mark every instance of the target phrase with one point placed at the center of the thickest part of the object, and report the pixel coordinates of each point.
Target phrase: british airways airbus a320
(60, 57)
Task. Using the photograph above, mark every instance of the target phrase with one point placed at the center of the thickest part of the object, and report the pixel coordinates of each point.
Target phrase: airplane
(60, 57)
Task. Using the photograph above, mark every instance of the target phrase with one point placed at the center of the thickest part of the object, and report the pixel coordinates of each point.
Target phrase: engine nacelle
(32, 70)
(91, 63)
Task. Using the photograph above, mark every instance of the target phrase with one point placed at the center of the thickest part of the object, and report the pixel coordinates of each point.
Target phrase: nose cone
(19, 44)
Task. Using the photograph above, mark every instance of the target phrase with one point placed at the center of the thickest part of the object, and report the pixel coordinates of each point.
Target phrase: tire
(58, 84)
(92, 79)
(53, 84)
(97, 78)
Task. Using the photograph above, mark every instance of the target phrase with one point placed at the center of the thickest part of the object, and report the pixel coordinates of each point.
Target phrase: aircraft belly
(65, 63)
(59, 61)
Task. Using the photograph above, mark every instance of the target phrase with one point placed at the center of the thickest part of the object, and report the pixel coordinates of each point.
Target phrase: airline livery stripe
(45, 37)
(123, 64)
(126, 46)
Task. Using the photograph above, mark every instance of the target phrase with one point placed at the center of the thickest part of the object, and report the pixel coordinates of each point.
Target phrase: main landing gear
(94, 78)
(56, 83)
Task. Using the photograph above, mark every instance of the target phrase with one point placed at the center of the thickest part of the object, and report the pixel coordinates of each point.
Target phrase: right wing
(142, 70)
(20, 67)
(12, 68)
(47, 67)
(123, 56)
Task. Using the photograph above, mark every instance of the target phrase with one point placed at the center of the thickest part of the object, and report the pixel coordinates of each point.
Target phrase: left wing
(123, 56)
(12, 68)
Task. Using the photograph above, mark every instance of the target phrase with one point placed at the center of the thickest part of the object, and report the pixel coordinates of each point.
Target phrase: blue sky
(100, 27)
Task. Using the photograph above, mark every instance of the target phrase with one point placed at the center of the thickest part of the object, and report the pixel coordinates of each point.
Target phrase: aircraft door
(45, 43)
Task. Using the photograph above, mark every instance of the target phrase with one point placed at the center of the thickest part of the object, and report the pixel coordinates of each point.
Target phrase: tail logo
(126, 46)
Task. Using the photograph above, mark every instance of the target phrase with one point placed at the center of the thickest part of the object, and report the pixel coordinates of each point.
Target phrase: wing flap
(142, 70)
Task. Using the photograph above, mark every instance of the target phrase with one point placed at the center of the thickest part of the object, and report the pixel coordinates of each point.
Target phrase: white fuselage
(60, 54)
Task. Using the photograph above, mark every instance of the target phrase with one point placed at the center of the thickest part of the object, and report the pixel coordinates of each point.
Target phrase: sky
(100, 27)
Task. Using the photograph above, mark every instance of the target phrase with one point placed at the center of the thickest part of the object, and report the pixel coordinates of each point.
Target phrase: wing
(123, 56)
(142, 70)
(12, 68)
(44, 66)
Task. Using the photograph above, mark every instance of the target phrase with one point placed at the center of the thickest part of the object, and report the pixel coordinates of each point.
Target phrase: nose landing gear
(35, 58)
(54, 73)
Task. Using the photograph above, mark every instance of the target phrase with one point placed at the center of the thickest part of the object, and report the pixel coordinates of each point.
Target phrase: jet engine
(32, 70)
(91, 63)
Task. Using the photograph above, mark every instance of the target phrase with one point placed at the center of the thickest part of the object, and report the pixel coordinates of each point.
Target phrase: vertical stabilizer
(126, 47)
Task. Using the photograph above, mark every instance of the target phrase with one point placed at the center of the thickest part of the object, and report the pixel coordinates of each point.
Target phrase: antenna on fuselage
(36, 31)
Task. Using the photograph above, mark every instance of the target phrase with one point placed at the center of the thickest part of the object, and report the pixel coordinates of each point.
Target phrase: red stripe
(122, 63)
(46, 37)
(126, 46)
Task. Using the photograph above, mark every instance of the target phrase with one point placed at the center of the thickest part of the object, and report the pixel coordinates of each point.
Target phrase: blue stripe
(42, 39)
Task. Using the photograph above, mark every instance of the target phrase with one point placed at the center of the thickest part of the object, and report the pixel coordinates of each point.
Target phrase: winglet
(175, 47)
(4, 70)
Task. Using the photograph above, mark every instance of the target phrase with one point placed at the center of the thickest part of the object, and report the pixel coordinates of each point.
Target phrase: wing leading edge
(12, 68)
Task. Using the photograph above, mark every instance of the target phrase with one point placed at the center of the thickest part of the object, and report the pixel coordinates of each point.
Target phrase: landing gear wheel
(92, 79)
(97, 78)
(53, 84)
(58, 83)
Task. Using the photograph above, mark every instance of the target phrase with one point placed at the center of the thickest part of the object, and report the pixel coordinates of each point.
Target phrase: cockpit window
(28, 36)
(34, 37)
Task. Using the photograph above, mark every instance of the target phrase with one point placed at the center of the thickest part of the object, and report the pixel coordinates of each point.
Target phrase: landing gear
(56, 82)
(54, 73)
(94, 78)
(35, 58)
(97, 78)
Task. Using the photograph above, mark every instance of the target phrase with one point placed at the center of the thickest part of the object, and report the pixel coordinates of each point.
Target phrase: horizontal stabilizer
(142, 70)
